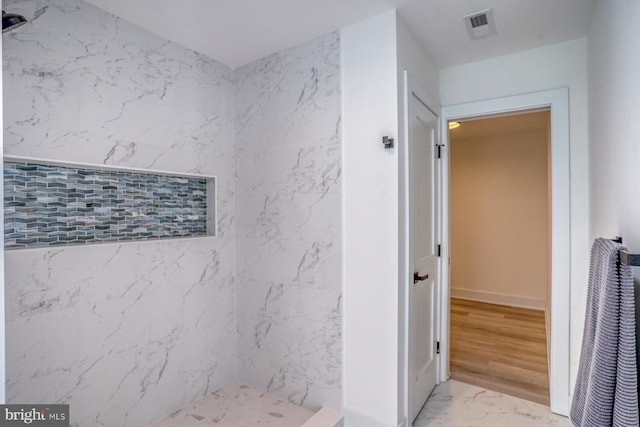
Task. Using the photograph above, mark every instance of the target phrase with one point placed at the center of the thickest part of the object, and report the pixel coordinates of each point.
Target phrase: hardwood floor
(500, 348)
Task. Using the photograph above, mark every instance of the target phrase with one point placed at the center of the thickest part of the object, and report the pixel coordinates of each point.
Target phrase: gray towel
(606, 392)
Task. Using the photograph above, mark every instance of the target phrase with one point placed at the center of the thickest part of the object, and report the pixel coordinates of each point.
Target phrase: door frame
(557, 101)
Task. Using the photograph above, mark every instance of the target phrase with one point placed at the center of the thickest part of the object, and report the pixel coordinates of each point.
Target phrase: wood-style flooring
(500, 348)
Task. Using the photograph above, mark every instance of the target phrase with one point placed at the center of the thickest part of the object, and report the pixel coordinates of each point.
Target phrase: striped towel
(606, 392)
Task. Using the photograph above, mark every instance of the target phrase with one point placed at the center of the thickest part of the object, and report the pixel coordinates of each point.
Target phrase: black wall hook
(388, 142)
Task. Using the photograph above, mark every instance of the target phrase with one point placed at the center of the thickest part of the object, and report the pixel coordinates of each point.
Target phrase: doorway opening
(556, 102)
(500, 200)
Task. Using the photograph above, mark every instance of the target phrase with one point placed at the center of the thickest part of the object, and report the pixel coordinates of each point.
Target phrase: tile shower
(128, 331)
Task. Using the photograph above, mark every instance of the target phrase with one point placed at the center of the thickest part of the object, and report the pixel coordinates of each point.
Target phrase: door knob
(418, 278)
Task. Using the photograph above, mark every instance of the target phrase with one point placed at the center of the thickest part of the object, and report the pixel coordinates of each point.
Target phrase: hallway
(500, 348)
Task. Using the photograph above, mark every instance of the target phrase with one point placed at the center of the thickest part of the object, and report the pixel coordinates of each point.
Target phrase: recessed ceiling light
(454, 125)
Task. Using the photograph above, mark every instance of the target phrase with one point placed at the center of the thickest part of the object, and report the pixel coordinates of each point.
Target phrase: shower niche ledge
(51, 203)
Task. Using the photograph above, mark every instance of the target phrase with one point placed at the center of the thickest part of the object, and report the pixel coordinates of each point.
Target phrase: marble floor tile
(237, 405)
(455, 404)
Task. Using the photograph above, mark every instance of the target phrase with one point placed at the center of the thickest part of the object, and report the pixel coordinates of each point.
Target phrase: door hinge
(439, 150)
(437, 347)
(439, 250)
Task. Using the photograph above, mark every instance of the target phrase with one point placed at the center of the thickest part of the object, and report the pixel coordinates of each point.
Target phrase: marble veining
(109, 92)
(123, 332)
(142, 326)
(456, 404)
(288, 206)
(237, 405)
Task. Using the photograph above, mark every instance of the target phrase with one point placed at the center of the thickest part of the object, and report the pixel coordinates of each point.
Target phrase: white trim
(357, 419)
(86, 246)
(558, 101)
(103, 167)
(547, 330)
(501, 299)
(404, 264)
(325, 417)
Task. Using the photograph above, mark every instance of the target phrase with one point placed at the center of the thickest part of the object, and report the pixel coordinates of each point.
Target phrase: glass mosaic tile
(49, 205)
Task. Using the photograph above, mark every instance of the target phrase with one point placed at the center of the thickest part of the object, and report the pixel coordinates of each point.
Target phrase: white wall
(499, 199)
(370, 222)
(614, 128)
(555, 66)
(374, 54)
(129, 332)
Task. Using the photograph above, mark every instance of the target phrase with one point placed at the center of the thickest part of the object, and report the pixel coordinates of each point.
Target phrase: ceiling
(236, 32)
(535, 121)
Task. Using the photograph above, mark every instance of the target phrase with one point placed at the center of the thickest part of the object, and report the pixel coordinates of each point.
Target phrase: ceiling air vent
(480, 24)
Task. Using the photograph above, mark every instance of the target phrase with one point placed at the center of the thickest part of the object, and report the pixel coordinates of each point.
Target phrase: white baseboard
(356, 419)
(502, 299)
(547, 325)
(325, 417)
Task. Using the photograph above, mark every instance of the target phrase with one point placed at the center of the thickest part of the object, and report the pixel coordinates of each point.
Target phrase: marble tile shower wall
(127, 332)
(288, 208)
(124, 332)
(48, 205)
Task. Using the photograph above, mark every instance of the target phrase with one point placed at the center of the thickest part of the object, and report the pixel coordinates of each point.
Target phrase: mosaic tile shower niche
(52, 205)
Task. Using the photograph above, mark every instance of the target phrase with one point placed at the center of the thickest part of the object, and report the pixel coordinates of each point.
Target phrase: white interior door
(423, 209)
